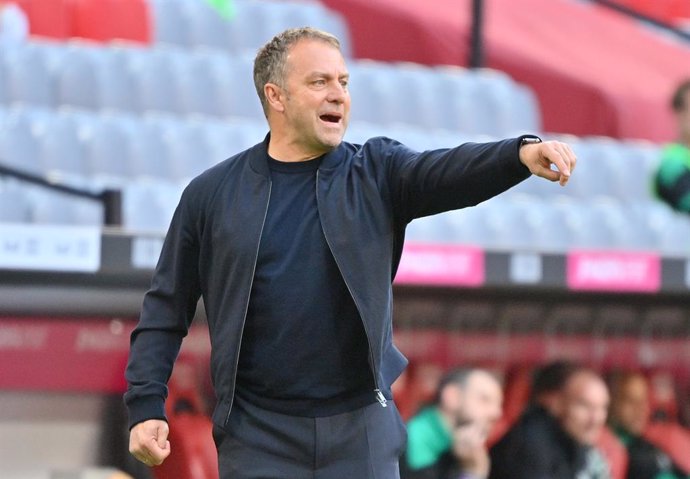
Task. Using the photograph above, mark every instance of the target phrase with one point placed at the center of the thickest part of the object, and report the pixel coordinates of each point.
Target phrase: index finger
(562, 156)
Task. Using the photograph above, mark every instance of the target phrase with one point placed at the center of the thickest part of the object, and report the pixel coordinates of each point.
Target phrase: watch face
(528, 141)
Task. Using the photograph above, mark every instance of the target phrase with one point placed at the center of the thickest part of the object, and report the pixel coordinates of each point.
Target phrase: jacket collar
(258, 157)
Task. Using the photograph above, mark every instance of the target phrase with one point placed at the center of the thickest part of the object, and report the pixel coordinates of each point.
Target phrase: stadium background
(138, 96)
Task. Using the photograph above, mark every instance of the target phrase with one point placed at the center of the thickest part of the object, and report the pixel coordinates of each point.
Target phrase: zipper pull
(381, 398)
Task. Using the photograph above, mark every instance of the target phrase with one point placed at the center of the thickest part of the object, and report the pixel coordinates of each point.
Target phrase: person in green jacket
(628, 417)
(672, 178)
(447, 440)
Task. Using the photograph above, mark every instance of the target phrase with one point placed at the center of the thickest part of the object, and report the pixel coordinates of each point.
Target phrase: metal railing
(111, 199)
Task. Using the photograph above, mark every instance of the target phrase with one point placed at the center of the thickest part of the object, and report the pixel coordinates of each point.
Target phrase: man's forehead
(309, 53)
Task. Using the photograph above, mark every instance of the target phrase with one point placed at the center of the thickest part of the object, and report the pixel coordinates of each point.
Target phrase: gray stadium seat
(61, 150)
(14, 204)
(148, 205)
(56, 208)
(205, 26)
(76, 78)
(199, 88)
(27, 76)
(107, 148)
(149, 152)
(155, 77)
(19, 140)
(169, 23)
(116, 86)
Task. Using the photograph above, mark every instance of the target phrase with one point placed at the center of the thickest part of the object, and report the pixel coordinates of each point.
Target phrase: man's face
(630, 408)
(480, 401)
(582, 413)
(316, 98)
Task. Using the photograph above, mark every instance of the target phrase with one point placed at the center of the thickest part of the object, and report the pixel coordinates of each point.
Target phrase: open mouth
(331, 117)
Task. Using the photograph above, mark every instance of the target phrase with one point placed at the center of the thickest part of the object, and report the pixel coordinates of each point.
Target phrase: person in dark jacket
(293, 245)
(630, 412)
(553, 439)
(447, 439)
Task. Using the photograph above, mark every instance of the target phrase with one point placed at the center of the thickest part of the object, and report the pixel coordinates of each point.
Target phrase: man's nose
(337, 93)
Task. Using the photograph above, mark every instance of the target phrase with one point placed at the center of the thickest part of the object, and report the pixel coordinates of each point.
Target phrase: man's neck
(290, 151)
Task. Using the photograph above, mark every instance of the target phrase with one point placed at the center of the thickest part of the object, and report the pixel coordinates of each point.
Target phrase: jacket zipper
(246, 307)
(377, 390)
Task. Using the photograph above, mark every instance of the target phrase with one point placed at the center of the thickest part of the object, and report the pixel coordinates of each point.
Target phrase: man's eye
(319, 82)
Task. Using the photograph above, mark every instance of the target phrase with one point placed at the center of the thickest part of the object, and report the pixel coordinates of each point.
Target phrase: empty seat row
(516, 221)
(138, 80)
(606, 168)
(140, 153)
(117, 147)
(194, 23)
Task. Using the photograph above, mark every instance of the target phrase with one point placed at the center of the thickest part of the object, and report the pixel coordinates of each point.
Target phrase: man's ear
(274, 97)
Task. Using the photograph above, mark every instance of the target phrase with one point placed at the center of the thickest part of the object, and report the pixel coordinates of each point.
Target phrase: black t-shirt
(304, 349)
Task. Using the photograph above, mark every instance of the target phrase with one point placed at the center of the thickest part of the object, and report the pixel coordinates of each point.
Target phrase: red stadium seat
(662, 395)
(105, 20)
(48, 18)
(517, 393)
(673, 439)
(614, 452)
(193, 453)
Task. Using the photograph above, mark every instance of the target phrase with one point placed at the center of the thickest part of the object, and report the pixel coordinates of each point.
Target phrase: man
(293, 245)
(554, 438)
(448, 439)
(630, 413)
(672, 179)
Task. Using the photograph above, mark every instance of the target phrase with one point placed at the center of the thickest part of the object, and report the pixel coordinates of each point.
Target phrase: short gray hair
(271, 59)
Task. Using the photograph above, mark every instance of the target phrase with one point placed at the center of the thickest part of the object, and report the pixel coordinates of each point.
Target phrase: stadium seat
(194, 454)
(149, 152)
(28, 79)
(15, 207)
(188, 149)
(673, 439)
(76, 78)
(19, 144)
(105, 20)
(48, 19)
(116, 85)
(614, 452)
(148, 204)
(61, 150)
(155, 77)
(51, 207)
(199, 88)
(107, 148)
(206, 27)
(169, 23)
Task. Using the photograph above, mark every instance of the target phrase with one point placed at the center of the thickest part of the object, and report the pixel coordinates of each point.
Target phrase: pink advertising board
(441, 265)
(614, 271)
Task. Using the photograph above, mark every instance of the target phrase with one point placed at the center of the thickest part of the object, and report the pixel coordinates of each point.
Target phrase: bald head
(582, 406)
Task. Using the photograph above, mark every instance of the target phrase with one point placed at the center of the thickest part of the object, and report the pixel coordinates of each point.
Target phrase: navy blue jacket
(366, 196)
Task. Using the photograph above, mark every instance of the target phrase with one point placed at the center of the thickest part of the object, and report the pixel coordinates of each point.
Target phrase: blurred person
(293, 245)
(672, 178)
(555, 436)
(629, 417)
(14, 25)
(448, 438)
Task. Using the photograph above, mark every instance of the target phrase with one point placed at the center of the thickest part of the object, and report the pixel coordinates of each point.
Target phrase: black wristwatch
(530, 140)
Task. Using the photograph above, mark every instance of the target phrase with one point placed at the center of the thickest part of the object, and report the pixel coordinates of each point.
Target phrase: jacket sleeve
(434, 181)
(166, 315)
